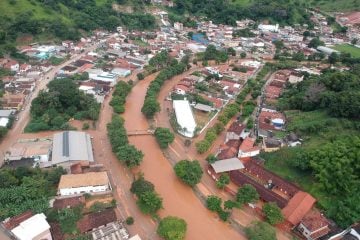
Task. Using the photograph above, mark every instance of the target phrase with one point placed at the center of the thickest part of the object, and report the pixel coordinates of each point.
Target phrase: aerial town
(198, 130)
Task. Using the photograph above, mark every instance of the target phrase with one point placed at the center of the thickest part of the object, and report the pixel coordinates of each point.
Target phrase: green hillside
(335, 5)
(63, 19)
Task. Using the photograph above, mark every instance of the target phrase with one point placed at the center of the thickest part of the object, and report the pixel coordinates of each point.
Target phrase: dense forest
(52, 109)
(63, 19)
(228, 12)
(336, 92)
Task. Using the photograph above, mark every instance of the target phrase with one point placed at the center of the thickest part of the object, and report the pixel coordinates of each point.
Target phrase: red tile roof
(236, 128)
(97, 219)
(314, 220)
(265, 176)
(298, 207)
(56, 232)
(272, 91)
(68, 202)
(240, 178)
(248, 145)
(16, 220)
(227, 152)
(76, 169)
(265, 118)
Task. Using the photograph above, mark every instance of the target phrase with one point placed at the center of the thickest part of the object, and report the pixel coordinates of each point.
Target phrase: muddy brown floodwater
(179, 199)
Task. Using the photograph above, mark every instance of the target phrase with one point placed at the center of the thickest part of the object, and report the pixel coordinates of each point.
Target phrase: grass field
(347, 48)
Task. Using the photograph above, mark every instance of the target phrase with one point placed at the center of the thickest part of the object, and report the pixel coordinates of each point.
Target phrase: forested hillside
(63, 19)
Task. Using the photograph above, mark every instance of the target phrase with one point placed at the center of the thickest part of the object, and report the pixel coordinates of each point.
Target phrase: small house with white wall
(248, 148)
(92, 182)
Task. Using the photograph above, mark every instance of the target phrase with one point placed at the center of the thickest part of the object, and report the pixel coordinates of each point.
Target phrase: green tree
(172, 228)
(164, 137)
(224, 180)
(213, 203)
(7, 179)
(243, 54)
(189, 172)
(211, 158)
(260, 231)
(140, 76)
(315, 42)
(246, 194)
(131, 156)
(334, 58)
(140, 186)
(150, 107)
(149, 202)
(272, 213)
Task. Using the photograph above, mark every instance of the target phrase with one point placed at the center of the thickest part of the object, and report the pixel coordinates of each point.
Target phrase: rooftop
(71, 146)
(248, 145)
(83, 180)
(184, 117)
(227, 165)
(32, 227)
(298, 207)
(95, 220)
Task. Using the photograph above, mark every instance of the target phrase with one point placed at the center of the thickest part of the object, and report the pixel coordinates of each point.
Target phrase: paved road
(24, 116)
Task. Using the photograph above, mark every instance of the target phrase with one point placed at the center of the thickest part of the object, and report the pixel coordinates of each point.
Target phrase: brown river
(178, 199)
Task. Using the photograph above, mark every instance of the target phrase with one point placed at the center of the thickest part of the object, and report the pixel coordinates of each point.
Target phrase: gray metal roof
(203, 107)
(6, 113)
(71, 146)
(227, 165)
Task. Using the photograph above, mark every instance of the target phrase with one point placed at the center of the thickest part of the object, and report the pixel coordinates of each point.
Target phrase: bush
(202, 146)
(129, 220)
(172, 228)
(140, 76)
(213, 203)
(223, 181)
(85, 126)
(211, 158)
(189, 172)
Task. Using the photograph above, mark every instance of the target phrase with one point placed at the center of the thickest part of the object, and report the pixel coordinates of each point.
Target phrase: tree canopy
(260, 231)
(51, 109)
(272, 213)
(246, 194)
(189, 172)
(172, 228)
(164, 137)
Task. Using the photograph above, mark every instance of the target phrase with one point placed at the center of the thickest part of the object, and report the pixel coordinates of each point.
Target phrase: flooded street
(179, 199)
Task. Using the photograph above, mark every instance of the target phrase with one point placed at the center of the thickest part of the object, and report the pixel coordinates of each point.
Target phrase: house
(272, 92)
(68, 44)
(295, 78)
(178, 26)
(248, 148)
(92, 182)
(270, 121)
(298, 206)
(113, 230)
(234, 131)
(24, 67)
(71, 147)
(203, 107)
(69, 202)
(181, 89)
(27, 226)
(96, 219)
(11, 65)
(271, 144)
(228, 150)
(4, 117)
(314, 225)
(222, 166)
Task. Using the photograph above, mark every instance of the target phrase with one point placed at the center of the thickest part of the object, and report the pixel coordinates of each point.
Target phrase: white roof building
(33, 228)
(184, 117)
(268, 28)
(227, 165)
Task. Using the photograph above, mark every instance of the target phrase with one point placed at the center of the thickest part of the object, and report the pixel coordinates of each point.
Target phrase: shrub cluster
(122, 89)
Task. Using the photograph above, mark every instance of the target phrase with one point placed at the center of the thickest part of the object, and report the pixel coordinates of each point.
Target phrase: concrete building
(92, 182)
(4, 117)
(326, 50)
(248, 148)
(71, 147)
(33, 228)
(184, 118)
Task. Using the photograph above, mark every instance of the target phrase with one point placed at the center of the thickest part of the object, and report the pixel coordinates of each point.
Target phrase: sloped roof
(97, 219)
(227, 165)
(298, 207)
(68, 202)
(314, 221)
(13, 222)
(83, 180)
(248, 145)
